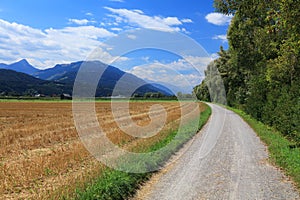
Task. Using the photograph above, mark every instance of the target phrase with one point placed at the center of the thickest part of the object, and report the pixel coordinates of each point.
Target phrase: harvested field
(41, 155)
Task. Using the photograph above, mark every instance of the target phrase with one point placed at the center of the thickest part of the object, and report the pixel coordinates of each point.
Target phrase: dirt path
(225, 161)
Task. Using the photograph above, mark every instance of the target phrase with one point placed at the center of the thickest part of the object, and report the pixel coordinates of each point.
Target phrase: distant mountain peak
(21, 66)
(110, 76)
(61, 78)
(22, 61)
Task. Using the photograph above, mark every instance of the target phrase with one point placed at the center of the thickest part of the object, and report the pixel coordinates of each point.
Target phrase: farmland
(41, 155)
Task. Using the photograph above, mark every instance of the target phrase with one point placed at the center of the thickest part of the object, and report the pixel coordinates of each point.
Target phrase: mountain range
(20, 66)
(21, 78)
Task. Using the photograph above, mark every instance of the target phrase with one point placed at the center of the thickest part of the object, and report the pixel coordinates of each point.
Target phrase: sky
(50, 32)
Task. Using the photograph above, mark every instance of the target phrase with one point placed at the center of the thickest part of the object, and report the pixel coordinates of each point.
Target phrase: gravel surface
(225, 161)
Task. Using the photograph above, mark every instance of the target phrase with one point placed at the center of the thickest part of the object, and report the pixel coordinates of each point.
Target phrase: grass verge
(281, 150)
(117, 185)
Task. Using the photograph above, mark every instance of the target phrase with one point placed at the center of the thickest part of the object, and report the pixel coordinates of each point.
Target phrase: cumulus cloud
(218, 19)
(186, 21)
(171, 21)
(163, 74)
(116, 29)
(80, 21)
(44, 48)
(182, 73)
(221, 37)
(139, 19)
(198, 62)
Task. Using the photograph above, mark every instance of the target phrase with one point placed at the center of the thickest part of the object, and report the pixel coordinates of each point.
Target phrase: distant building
(65, 96)
(39, 95)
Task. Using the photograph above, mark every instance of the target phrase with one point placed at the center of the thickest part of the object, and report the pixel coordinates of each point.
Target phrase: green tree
(261, 69)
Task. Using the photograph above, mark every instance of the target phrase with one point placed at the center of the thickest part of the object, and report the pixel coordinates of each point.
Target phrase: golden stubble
(41, 155)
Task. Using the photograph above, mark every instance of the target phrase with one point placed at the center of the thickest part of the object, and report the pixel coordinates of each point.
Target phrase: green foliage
(202, 92)
(181, 96)
(261, 69)
(154, 95)
(14, 83)
(212, 88)
(226, 6)
(112, 185)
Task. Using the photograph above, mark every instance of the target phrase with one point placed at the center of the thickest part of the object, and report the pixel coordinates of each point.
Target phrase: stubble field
(41, 155)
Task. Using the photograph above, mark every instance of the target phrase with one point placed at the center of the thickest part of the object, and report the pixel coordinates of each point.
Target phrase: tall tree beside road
(261, 69)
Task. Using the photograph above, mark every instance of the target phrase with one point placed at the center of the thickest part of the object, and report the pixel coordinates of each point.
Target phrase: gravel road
(225, 161)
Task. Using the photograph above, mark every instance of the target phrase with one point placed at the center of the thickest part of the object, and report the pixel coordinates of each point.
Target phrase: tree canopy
(261, 69)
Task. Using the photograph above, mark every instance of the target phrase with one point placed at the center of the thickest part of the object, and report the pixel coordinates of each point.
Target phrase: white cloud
(200, 63)
(171, 21)
(104, 56)
(89, 14)
(186, 21)
(44, 48)
(146, 59)
(221, 37)
(80, 21)
(214, 56)
(121, 1)
(182, 73)
(90, 32)
(163, 74)
(116, 29)
(138, 11)
(139, 19)
(218, 19)
(130, 36)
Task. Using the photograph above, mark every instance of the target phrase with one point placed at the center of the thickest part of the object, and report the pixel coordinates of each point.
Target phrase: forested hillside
(261, 69)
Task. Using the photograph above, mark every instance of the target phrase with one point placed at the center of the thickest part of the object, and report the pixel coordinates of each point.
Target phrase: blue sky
(48, 32)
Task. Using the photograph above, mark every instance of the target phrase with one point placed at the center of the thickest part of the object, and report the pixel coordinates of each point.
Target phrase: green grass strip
(281, 150)
(117, 185)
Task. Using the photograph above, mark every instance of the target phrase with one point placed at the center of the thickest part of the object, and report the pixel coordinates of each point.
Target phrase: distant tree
(179, 95)
(30, 92)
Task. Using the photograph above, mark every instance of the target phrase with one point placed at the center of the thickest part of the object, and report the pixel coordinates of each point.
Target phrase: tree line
(260, 70)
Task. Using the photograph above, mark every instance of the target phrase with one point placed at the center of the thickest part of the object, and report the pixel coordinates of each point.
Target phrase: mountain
(111, 76)
(20, 66)
(59, 71)
(168, 87)
(164, 88)
(17, 83)
(61, 78)
(3, 66)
